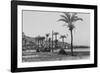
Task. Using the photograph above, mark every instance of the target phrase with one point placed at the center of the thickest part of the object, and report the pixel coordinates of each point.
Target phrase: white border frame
(53, 63)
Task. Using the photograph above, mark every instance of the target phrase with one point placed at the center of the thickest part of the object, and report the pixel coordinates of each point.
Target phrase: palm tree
(62, 51)
(70, 18)
(24, 41)
(62, 37)
(49, 43)
(56, 33)
(42, 40)
(52, 42)
(31, 44)
(38, 43)
(47, 35)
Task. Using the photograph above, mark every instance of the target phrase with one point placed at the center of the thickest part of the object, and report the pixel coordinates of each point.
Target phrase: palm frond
(64, 17)
(73, 17)
(74, 14)
(69, 18)
(67, 15)
(64, 20)
(76, 19)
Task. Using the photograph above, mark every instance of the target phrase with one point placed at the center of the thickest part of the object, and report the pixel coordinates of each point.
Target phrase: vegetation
(62, 51)
(56, 40)
(69, 19)
(44, 44)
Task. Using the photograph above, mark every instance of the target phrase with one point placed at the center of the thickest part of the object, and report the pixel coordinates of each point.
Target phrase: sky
(37, 23)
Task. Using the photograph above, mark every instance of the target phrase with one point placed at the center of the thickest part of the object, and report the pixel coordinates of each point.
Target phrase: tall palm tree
(62, 37)
(70, 18)
(56, 33)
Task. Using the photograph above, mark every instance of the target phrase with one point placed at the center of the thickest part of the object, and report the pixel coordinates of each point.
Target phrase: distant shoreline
(85, 47)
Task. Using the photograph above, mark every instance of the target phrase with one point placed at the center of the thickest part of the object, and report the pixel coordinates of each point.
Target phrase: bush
(37, 50)
(62, 52)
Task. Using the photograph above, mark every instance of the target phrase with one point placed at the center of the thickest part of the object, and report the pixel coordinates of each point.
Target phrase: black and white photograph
(51, 36)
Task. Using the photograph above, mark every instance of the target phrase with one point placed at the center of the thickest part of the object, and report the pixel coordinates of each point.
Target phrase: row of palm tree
(49, 43)
(56, 37)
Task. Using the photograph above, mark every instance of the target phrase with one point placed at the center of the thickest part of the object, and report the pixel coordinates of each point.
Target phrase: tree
(62, 51)
(38, 43)
(49, 42)
(70, 18)
(47, 35)
(62, 37)
(52, 42)
(31, 44)
(24, 41)
(42, 41)
(56, 33)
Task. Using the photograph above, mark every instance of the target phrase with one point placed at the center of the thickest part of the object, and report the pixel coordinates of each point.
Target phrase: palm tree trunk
(63, 42)
(52, 42)
(55, 41)
(71, 42)
(37, 50)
